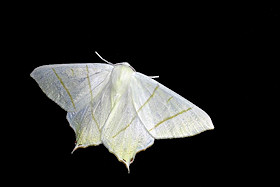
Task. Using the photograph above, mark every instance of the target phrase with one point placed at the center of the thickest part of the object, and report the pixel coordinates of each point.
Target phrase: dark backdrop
(223, 58)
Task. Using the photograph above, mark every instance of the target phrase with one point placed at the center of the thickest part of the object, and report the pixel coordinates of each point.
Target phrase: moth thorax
(121, 75)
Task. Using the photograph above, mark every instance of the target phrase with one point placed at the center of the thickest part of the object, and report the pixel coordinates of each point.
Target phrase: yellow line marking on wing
(169, 99)
(137, 112)
(62, 83)
(168, 118)
(91, 99)
(90, 91)
(92, 115)
(72, 72)
(148, 98)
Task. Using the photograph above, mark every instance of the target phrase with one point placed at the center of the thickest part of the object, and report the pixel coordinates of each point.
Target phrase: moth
(114, 105)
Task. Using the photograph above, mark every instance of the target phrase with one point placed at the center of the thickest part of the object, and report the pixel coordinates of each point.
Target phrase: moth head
(125, 64)
(121, 63)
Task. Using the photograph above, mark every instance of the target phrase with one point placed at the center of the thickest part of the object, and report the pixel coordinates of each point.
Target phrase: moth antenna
(154, 77)
(103, 58)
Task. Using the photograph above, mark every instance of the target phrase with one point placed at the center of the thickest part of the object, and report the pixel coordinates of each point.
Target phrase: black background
(221, 57)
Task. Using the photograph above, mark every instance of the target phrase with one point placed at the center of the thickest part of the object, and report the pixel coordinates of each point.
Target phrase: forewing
(72, 86)
(164, 113)
(123, 133)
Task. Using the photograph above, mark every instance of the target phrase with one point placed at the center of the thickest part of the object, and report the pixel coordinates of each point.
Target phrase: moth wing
(71, 86)
(89, 121)
(124, 133)
(164, 113)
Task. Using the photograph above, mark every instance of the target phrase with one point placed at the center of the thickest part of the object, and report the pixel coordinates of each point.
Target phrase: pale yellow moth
(119, 107)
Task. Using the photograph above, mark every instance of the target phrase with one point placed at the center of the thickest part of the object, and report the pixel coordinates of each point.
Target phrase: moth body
(120, 78)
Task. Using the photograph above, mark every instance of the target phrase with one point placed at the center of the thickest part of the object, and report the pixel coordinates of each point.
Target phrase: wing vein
(91, 99)
(62, 83)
